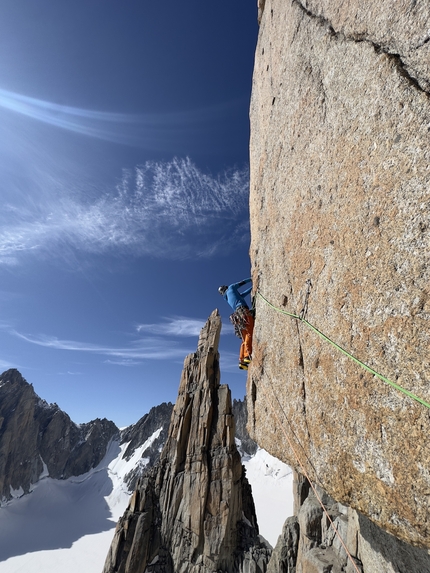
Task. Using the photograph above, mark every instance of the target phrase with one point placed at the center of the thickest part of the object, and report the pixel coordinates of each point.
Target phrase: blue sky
(124, 188)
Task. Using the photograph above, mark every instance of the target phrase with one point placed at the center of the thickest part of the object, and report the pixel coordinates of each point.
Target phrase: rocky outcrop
(156, 421)
(240, 413)
(194, 513)
(38, 438)
(260, 5)
(284, 555)
(340, 196)
(309, 543)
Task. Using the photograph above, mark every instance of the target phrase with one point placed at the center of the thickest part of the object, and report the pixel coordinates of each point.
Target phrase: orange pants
(246, 346)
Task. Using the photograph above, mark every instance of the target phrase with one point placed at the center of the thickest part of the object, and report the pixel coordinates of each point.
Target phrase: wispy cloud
(163, 341)
(146, 130)
(125, 362)
(70, 373)
(176, 326)
(164, 209)
(229, 362)
(145, 348)
(180, 326)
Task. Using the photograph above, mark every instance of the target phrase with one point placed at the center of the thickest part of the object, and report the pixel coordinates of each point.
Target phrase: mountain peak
(36, 437)
(12, 376)
(194, 512)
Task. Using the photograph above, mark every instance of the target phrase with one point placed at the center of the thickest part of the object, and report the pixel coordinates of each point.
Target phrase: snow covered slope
(272, 489)
(68, 525)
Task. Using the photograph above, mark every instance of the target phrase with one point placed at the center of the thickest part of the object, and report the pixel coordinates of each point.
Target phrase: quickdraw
(239, 320)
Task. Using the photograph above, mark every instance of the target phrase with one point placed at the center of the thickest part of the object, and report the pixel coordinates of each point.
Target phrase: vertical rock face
(195, 512)
(340, 195)
(38, 437)
(240, 412)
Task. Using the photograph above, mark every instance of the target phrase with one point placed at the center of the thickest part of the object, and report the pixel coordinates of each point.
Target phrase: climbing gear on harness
(247, 359)
(243, 366)
(239, 319)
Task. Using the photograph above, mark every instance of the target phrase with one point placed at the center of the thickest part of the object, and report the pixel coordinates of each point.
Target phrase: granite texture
(340, 196)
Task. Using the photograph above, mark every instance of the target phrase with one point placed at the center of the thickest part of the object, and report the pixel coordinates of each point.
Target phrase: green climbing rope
(356, 360)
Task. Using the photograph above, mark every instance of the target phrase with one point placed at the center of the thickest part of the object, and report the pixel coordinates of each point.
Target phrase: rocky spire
(194, 513)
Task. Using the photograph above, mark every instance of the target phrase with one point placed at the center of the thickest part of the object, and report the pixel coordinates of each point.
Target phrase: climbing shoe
(243, 366)
(247, 359)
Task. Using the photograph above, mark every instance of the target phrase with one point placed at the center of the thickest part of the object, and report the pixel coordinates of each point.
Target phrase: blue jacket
(234, 298)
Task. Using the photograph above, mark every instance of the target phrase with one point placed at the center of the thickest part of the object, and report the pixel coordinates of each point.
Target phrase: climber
(242, 318)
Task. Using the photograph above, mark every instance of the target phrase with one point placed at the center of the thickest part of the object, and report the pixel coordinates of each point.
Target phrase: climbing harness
(345, 352)
(239, 319)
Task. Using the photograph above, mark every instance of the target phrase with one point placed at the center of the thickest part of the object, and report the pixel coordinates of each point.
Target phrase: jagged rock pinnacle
(195, 512)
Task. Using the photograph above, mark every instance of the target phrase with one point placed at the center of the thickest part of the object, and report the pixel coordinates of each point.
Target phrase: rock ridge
(39, 438)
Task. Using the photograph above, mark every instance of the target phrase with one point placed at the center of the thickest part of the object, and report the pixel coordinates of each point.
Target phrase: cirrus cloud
(162, 209)
(145, 130)
(177, 326)
(145, 348)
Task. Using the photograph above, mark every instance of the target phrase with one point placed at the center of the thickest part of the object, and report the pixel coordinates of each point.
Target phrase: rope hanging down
(305, 473)
(356, 360)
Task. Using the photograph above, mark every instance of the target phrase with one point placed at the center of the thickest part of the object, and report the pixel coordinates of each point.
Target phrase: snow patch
(16, 493)
(67, 525)
(272, 489)
(45, 471)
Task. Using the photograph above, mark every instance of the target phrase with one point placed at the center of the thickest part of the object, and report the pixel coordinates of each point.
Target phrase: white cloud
(145, 348)
(163, 209)
(126, 362)
(161, 345)
(177, 326)
(145, 130)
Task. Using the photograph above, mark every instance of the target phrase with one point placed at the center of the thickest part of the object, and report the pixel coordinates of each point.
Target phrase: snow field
(67, 526)
(272, 488)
